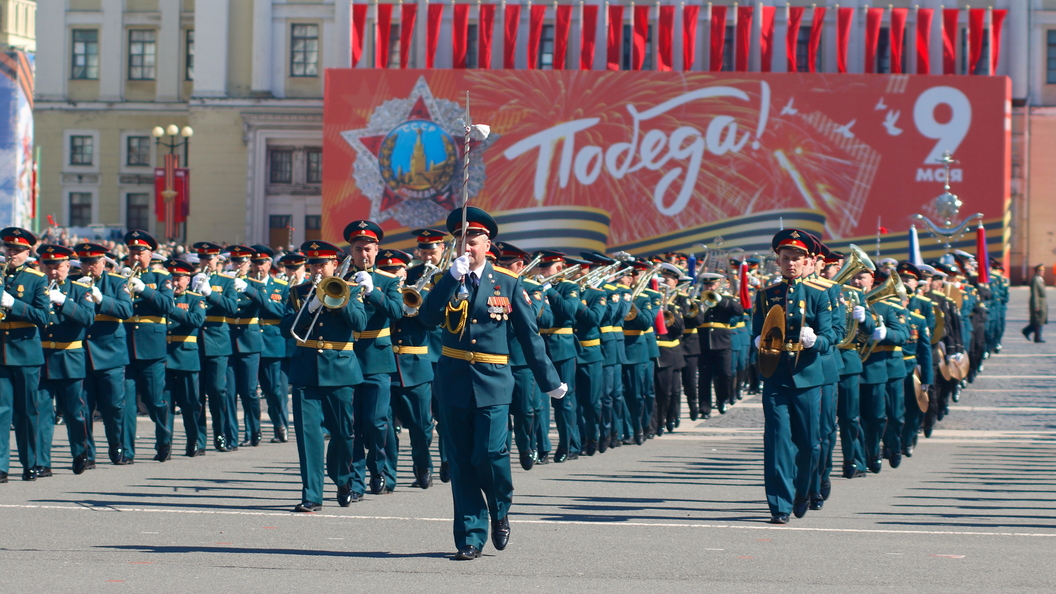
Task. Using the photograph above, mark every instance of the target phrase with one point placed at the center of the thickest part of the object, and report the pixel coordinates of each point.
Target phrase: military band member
(592, 306)
(274, 382)
(107, 349)
(693, 316)
(613, 356)
(952, 343)
(62, 377)
(294, 272)
(715, 334)
(474, 382)
(324, 370)
(151, 302)
(792, 393)
(182, 362)
(384, 305)
(917, 352)
(214, 341)
(670, 362)
(247, 341)
(638, 371)
(563, 297)
(412, 383)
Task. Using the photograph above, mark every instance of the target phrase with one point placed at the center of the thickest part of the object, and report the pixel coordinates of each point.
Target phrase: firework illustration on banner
(408, 158)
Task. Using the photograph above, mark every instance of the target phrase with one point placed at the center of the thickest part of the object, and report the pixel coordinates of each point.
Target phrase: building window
(189, 62)
(137, 154)
(137, 211)
(1051, 58)
(472, 47)
(628, 36)
(883, 52)
(314, 173)
(85, 54)
(729, 50)
(546, 48)
(313, 227)
(304, 59)
(279, 230)
(281, 166)
(81, 150)
(80, 209)
(803, 52)
(983, 66)
(141, 48)
(394, 46)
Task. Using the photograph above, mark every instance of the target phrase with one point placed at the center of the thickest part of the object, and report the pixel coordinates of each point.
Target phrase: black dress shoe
(816, 502)
(220, 443)
(1026, 333)
(826, 489)
(875, 465)
(693, 414)
(344, 495)
(800, 506)
(1039, 340)
(928, 429)
(895, 459)
(638, 439)
(592, 448)
(467, 553)
(193, 451)
(603, 445)
(908, 451)
(281, 436)
(445, 472)
(308, 507)
(670, 426)
(43, 471)
(705, 416)
(164, 452)
(650, 435)
(255, 440)
(89, 465)
(29, 474)
(527, 460)
(660, 431)
(500, 533)
(723, 407)
(114, 452)
(80, 463)
(377, 484)
(627, 441)
(573, 456)
(560, 457)
(425, 479)
(779, 519)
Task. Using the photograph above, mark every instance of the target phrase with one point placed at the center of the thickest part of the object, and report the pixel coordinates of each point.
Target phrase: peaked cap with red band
(549, 257)
(54, 253)
(363, 229)
(477, 222)
(508, 251)
(240, 251)
(178, 267)
(18, 237)
(428, 238)
(319, 251)
(207, 248)
(793, 238)
(392, 258)
(140, 238)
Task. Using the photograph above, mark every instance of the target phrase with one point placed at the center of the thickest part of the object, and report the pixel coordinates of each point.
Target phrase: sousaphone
(772, 341)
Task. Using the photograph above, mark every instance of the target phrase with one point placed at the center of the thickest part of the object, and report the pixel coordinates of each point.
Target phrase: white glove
(56, 297)
(758, 341)
(460, 267)
(547, 287)
(241, 285)
(364, 280)
(197, 280)
(85, 280)
(97, 295)
(204, 289)
(880, 333)
(807, 337)
(137, 285)
(7, 300)
(314, 304)
(559, 392)
(858, 313)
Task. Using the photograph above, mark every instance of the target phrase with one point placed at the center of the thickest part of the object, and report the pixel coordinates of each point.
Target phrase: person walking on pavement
(1039, 308)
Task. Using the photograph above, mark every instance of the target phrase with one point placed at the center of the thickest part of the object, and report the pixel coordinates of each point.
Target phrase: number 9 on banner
(949, 134)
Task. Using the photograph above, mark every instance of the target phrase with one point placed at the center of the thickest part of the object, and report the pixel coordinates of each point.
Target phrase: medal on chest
(499, 307)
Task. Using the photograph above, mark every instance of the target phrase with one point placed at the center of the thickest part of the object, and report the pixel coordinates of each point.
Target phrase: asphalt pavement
(971, 510)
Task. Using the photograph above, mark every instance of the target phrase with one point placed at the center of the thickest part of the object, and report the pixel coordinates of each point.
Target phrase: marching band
(480, 341)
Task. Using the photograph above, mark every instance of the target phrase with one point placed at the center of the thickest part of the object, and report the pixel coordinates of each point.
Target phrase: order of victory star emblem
(409, 158)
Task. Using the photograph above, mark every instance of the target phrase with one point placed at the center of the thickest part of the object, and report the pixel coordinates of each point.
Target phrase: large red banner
(658, 161)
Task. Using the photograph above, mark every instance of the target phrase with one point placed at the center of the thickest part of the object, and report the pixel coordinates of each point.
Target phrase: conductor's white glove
(807, 337)
(460, 267)
(365, 280)
(880, 333)
(559, 392)
(758, 341)
(858, 313)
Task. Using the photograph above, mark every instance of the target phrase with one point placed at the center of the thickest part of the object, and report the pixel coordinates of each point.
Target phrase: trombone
(643, 282)
(891, 287)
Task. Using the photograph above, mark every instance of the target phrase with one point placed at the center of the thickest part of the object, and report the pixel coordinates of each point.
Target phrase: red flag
(661, 327)
(51, 221)
(536, 16)
(795, 18)
(615, 38)
(588, 39)
(408, 14)
(744, 38)
(844, 20)
(511, 22)
(997, 19)
(689, 36)
(924, 40)
(381, 52)
(976, 24)
(359, 19)
(883, 230)
(873, 19)
(949, 40)
(718, 37)
(746, 300)
(665, 43)
(816, 28)
(459, 36)
(766, 38)
(562, 27)
(982, 254)
(487, 31)
(639, 36)
(898, 36)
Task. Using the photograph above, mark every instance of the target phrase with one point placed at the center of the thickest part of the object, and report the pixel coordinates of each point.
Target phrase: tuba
(856, 263)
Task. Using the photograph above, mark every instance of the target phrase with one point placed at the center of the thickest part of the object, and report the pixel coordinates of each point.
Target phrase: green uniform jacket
(147, 326)
(107, 343)
(851, 361)
(320, 362)
(215, 337)
(185, 323)
(21, 328)
(875, 369)
(588, 325)
(918, 348)
(383, 305)
(612, 326)
(412, 332)
(635, 331)
(275, 293)
(462, 383)
(565, 304)
(806, 304)
(542, 315)
(67, 323)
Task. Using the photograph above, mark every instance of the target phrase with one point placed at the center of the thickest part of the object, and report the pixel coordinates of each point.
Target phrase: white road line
(956, 407)
(526, 521)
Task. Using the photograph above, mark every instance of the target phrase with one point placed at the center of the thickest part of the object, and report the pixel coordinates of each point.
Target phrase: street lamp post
(177, 138)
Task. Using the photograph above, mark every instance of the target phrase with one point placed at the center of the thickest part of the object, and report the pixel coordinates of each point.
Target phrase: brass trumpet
(412, 296)
(643, 282)
(856, 263)
(891, 287)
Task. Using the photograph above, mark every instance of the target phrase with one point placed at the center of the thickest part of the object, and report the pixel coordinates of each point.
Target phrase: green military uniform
(244, 363)
(561, 348)
(182, 362)
(589, 358)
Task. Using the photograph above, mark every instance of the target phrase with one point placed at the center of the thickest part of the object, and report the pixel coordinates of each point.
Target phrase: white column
(53, 53)
(936, 36)
(1014, 55)
(111, 55)
(780, 34)
(280, 34)
(677, 63)
(261, 82)
(754, 54)
(829, 38)
(210, 47)
(168, 52)
(341, 35)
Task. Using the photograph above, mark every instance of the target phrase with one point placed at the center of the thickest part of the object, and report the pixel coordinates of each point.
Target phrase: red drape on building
(766, 38)
(949, 40)
(512, 18)
(976, 28)
(665, 42)
(615, 38)
(816, 29)
(487, 35)
(844, 20)
(873, 18)
(588, 39)
(718, 37)
(562, 27)
(898, 38)
(459, 35)
(535, 33)
(433, 19)
(381, 52)
(408, 14)
(795, 18)
(744, 38)
(997, 21)
(690, 14)
(359, 19)
(639, 36)
(924, 16)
